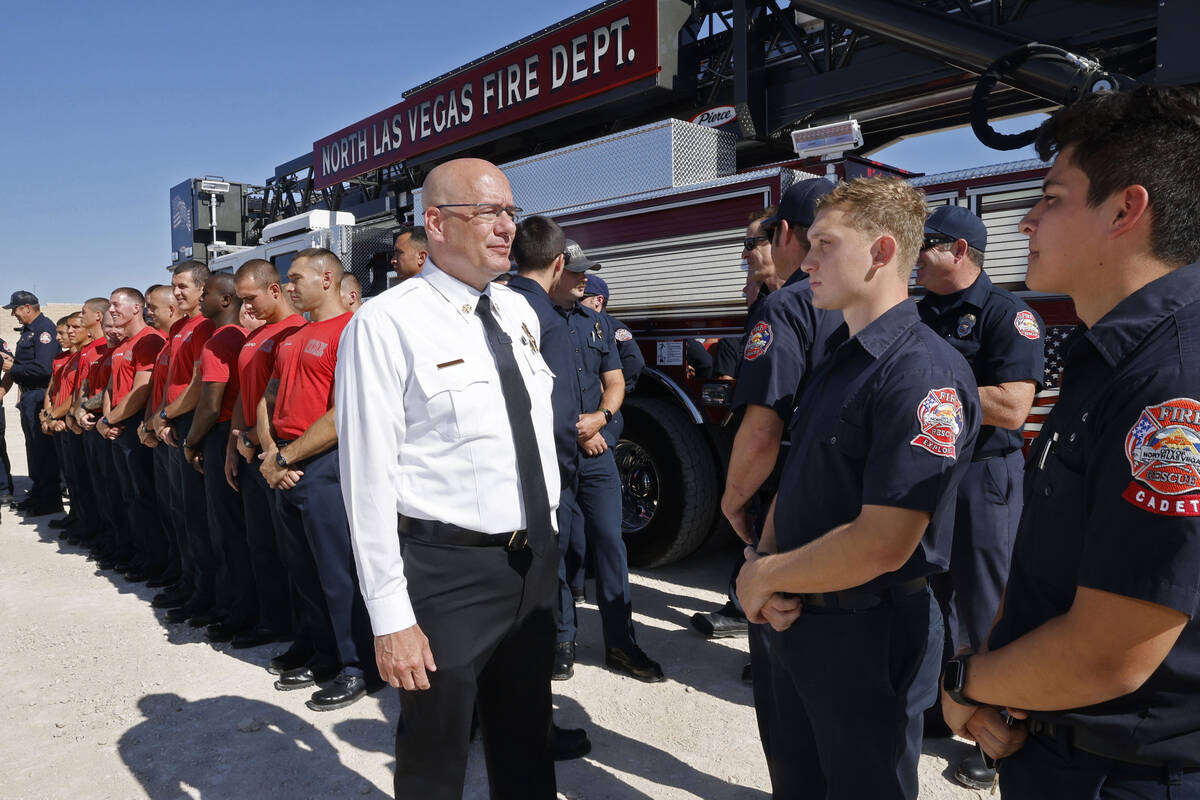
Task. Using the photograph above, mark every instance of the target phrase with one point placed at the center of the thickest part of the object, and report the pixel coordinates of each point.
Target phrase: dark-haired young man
(279, 564)
(409, 252)
(1097, 644)
(171, 424)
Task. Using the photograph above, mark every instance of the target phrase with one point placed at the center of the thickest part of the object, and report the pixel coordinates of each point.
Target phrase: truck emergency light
(827, 140)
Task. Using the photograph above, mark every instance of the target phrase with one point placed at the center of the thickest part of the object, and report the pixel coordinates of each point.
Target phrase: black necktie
(516, 401)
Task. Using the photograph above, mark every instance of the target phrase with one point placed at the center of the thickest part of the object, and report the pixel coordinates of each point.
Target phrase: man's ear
(1130, 210)
(883, 250)
(960, 249)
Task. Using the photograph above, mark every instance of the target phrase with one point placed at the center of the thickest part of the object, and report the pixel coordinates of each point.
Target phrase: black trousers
(236, 593)
(39, 449)
(96, 450)
(270, 577)
(193, 507)
(313, 511)
(135, 471)
(6, 481)
(489, 617)
(169, 521)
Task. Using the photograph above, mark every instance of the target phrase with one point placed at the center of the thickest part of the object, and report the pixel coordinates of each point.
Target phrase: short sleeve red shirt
(186, 344)
(257, 358)
(158, 377)
(88, 356)
(132, 356)
(95, 375)
(103, 370)
(304, 365)
(218, 364)
(65, 370)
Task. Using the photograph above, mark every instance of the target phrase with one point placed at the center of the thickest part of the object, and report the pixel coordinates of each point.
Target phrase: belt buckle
(518, 541)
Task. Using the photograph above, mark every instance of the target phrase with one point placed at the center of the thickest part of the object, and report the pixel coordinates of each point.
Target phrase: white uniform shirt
(422, 427)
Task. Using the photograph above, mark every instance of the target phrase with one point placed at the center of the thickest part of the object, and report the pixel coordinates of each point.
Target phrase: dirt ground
(108, 701)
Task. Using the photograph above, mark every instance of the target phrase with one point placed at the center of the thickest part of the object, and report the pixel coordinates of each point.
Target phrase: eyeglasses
(488, 212)
(934, 239)
(751, 242)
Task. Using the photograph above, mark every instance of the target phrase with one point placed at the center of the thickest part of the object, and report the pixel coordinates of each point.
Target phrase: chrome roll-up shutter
(694, 275)
(1008, 249)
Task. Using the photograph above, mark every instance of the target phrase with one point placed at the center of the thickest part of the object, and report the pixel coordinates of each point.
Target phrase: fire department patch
(1163, 448)
(966, 324)
(759, 341)
(45, 337)
(940, 416)
(623, 335)
(1026, 325)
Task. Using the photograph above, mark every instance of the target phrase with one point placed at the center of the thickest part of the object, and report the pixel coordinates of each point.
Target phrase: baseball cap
(577, 260)
(799, 203)
(22, 298)
(596, 285)
(956, 223)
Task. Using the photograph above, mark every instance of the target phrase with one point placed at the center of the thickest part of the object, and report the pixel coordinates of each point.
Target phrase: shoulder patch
(759, 341)
(623, 335)
(1027, 326)
(940, 416)
(45, 337)
(1163, 448)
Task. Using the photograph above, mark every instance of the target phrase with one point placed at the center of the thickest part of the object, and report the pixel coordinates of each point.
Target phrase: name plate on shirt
(670, 354)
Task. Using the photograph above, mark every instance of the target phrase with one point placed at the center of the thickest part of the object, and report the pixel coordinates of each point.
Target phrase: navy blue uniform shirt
(1000, 336)
(36, 348)
(1112, 502)
(632, 360)
(784, 343)
(593, 346)
(555, 347)
(888, 419)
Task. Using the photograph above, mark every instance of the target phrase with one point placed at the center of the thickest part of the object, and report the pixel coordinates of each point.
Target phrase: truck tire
(668, 483)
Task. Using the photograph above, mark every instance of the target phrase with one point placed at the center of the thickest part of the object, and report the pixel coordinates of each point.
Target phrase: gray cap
(576, 259)
(22, 298)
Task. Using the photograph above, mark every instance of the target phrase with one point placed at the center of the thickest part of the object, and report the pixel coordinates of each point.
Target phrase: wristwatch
(607, 414)
(954, 678)
(104, 419)
(280, 460)
(187, 445)
(246, 440)
(163, 415)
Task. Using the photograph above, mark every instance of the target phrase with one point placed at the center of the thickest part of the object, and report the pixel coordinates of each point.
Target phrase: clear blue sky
(106, 106)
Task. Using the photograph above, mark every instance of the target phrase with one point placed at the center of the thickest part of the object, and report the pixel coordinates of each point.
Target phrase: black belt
(985, 456)
(851, 600)
(1086, 741)
(434, 532)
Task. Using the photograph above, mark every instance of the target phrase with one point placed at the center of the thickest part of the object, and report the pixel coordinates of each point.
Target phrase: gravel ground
(108, 701)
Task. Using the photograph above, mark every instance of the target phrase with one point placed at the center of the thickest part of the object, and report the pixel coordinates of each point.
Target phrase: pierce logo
(940, 416)
(1163, 448)
(715, 117)
(759, 341)
(1027, 326)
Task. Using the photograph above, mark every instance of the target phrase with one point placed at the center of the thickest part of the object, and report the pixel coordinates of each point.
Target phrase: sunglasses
(751, 242)
(934, 239)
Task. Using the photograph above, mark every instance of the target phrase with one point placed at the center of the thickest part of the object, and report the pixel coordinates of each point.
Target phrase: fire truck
(651, 129)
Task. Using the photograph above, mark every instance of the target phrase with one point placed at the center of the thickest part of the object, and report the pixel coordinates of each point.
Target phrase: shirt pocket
(847, 439)
(541, 377)
(459, 399)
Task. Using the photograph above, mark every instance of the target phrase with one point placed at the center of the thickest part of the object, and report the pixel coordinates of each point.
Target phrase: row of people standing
(192, 425)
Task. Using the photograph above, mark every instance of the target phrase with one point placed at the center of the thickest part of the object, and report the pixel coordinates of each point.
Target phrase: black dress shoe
(290, 659)
(258, 635)
(40, 510)
(105, 564)
(972, 772)
(633, 662)
(60, 523)
(177, 614)
(135, 575)
(716, 625)
(222, 631)
(568, 743)
(564, 661)
(346, 689)
(303, 677)
(206, 617)
(165, 579)
(171, 598)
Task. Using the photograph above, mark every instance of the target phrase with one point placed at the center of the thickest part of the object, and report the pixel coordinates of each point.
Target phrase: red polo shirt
(96, 377)
(132, 356)
(218, 364)
(63, 370)
(257, 358)
(304, 365)
(186, 343)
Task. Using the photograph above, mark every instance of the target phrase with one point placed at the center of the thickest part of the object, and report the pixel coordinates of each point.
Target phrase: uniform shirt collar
(528, 285)
(796, 277)
(977, 293)
(462, 297)
(877, 337)
(1123, 328)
